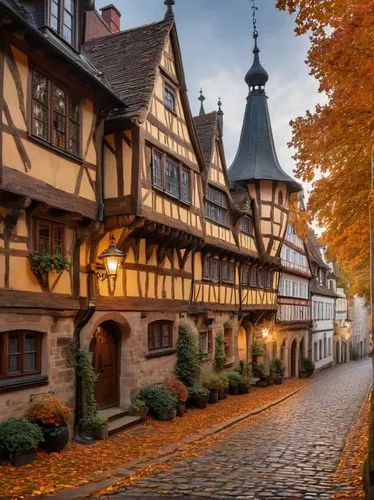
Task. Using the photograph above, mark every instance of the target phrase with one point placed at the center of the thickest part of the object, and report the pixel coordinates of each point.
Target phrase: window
(171, 176)
(228, 271)
(216, 206)
(261, 278)
(245, 225)
(20, 354)
(325, 347)
(315, 353)
(280, 198)
(214, 269)
(160, 335)
(55, 115)
(62, 18)
(49, 237)
(269, 279)
(169, 99)
(245, 275)
(320, 349)
(253, 276)
(204, 343)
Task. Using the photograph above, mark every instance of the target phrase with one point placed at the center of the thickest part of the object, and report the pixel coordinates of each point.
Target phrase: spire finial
(201, 99)
(169, 14)
(257, 76)
(220, 114)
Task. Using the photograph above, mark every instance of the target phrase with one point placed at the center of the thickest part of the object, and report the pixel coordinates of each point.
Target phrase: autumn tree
(333, 142)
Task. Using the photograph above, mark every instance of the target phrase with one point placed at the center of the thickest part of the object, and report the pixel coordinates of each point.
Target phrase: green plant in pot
(277, 369)
(178, 390)
(198, 396)
(308, 367)
(258, 348)
(213, 383)
(53, 418)
(139, 408)
(234, 382)
(161, 404)
(223, 393)
(42, 263)
(187, 368)
(19, 440)
(95, 426)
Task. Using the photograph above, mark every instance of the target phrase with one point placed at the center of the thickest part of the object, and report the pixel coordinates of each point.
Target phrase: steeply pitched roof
(206, 127)
(318, 289)
(129, 60)
(314, 250)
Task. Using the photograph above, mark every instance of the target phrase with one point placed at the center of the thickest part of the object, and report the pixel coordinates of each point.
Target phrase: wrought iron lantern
(265, 333)
(112, 259)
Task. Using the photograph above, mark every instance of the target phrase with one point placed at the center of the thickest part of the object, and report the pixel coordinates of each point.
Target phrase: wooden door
(104, 347)
(293, 359)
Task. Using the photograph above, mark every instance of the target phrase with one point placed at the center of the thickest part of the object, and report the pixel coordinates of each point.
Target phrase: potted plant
(234, 381)
(53, 418)
(219, 353)
(42, 263)
(258, 348)
(161, 404)
(198, 396)
(212, 382)
(179, 391)
(308, 366)
(95, 426)
(277, 368)
(139, 408)
(187, 368)
(243, 386)
(20, 438)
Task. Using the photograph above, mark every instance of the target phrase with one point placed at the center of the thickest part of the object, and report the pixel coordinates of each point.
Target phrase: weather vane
(254, 20)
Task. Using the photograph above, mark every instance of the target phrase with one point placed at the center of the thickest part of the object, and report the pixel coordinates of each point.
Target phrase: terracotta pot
(24, 458)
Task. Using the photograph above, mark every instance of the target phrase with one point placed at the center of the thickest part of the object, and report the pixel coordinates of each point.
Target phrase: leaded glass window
(171, 178)
(216, 205)
(160, 335)
(21, 352)
(40, 115)
(62, 18)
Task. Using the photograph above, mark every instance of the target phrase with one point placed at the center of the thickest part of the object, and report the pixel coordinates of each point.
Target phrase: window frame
(166, 159)
(151, 344)
(246, 230)
(70, 102)
(4, 354)
(168, 89)
(211, 204)
(37, 222)
(60, 20)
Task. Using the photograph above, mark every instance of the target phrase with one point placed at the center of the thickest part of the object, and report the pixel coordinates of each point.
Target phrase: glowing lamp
(265, 333)
(112, 259)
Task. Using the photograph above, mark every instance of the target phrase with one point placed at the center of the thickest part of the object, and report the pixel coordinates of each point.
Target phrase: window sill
(159, 354)
(171, 110)
(19, 383)
(172, 196)
(221, 224)
(60, 152)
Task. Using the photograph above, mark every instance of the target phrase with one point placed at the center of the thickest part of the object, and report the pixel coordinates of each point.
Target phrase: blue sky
(216, 43)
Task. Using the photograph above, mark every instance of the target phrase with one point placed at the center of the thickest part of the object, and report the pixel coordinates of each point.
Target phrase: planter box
(24, 458)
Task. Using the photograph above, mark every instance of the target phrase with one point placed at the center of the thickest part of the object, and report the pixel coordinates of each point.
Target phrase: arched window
(20, 352)
(280, 198)
(160, 335)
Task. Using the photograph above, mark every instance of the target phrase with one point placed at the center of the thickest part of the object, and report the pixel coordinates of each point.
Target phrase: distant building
(342, 328)
(360, 328)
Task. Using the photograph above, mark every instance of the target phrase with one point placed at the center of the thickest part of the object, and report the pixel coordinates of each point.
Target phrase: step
(122, 423)
(113, 413)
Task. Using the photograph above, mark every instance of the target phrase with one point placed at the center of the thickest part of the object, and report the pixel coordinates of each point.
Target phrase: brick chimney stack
(112, 17)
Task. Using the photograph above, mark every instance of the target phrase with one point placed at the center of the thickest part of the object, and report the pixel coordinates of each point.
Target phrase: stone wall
(57, 333)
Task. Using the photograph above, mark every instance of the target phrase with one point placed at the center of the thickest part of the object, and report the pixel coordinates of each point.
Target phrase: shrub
(243, 368)
(234, 379)
(19, 435)
(277, 366)
(177, 389)
(258, 348)
(219, 353)
(139, 408)
(44, 262)
(187, 368)
(308, 366)
(91, 423)
(258, 371)
(48, 411)
(212, 382)
(224, 380)
(158, 400)
(198, 393)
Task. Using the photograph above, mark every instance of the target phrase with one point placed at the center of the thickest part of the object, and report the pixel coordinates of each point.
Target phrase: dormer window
(62, 18)
(216, 206)
(169, 99)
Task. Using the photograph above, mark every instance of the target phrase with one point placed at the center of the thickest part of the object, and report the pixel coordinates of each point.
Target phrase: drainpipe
(78, 380)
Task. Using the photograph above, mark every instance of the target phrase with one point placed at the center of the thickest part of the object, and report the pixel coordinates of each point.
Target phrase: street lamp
(112, 259)
(265, 333)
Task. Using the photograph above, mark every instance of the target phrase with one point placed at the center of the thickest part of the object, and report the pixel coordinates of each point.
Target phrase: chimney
(112, 17)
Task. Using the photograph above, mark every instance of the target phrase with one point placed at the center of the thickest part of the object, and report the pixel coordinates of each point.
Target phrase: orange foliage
(334, 142)
(78, 464)
(49, 411)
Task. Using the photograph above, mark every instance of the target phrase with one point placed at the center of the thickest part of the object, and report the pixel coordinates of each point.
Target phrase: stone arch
(293, 358)
(121, 326)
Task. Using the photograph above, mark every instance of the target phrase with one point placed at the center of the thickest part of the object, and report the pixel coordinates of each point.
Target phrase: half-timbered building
(100, 153)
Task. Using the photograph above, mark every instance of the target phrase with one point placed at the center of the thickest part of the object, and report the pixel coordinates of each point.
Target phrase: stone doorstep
(163, 455)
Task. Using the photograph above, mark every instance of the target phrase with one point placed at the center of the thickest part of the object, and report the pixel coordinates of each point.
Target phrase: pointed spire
(201, 98)
(220, 114)
(169, 14)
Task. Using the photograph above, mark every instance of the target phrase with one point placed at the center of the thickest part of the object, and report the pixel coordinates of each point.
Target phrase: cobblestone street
(290, 451)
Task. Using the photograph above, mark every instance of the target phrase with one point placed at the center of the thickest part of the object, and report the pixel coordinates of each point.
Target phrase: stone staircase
(118, 419)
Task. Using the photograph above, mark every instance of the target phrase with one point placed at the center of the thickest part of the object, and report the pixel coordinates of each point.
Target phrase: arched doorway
(293, 358)
(301, 354)
(242, 344)
(105, 360)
